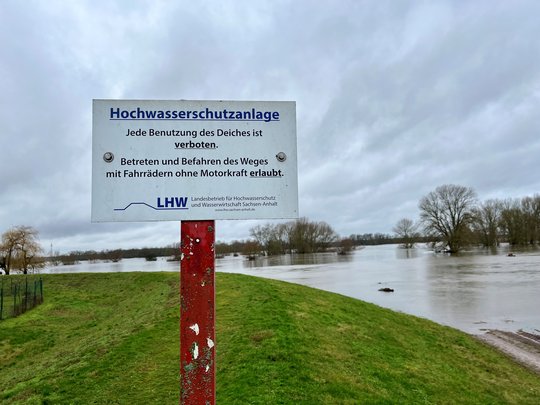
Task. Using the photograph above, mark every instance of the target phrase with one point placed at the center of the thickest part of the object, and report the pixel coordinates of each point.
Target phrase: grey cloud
(393, 99)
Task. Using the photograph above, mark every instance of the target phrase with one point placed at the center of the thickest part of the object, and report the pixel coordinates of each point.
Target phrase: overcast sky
(394, 98)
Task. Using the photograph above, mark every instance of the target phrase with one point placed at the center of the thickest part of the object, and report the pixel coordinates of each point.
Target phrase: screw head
(108, 157)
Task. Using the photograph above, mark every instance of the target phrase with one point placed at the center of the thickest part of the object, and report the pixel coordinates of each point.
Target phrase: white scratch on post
(195, 351)
(195, 328)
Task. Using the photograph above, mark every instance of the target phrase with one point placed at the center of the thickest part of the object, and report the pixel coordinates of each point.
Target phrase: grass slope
(113, 339)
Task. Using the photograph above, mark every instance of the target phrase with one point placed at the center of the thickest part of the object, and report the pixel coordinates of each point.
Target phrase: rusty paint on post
(197, 313)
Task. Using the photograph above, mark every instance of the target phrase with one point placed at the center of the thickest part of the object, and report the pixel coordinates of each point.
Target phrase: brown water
(474, 291)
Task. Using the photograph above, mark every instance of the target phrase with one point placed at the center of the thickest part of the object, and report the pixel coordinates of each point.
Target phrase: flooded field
(474, 291)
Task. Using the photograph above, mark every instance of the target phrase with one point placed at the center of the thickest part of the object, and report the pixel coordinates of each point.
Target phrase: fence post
(1, 299)
(25, 306)
(14, 290)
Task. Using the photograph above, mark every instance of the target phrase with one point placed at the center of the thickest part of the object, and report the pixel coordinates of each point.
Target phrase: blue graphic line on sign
(150, 206)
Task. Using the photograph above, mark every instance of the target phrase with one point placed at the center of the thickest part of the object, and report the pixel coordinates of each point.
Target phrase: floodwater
(474, 291)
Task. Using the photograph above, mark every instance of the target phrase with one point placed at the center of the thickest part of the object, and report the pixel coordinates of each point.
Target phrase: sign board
(165, 160)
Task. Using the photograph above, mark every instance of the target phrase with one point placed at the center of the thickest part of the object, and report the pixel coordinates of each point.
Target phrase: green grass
(113, 339)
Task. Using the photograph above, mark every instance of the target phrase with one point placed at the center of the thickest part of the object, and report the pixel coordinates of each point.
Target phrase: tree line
(115, 255)
(453, 217)
(20, 251)
(299, 236)
(372, 239)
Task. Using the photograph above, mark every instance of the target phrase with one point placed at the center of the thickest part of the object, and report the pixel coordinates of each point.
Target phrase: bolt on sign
(192, 160)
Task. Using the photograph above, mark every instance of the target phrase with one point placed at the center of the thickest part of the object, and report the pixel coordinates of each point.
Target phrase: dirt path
(522, 346)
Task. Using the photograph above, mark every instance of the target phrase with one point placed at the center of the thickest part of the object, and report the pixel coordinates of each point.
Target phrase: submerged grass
(113, 339)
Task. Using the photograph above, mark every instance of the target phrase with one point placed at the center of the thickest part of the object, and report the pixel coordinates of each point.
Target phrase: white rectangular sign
(165, 160)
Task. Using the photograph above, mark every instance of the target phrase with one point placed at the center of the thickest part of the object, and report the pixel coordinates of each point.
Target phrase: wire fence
(19, 294)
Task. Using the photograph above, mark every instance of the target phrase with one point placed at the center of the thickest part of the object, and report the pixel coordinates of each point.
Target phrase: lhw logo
(163, 204)
(172, 202)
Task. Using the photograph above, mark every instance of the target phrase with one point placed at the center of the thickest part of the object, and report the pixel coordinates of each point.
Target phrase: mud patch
(524, 347)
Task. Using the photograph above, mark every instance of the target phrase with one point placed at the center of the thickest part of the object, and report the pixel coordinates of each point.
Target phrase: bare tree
(519, 220)
(513, 222)
(251, 249)
(407, 231)
(309, 237)
(530, 206)
(346, 246)
(325, 235)
(8, 249)
(20, 249)
(261, 234)
(487, 217)
(447, 213)
(301, 235)
(271, 238)
(281, 238)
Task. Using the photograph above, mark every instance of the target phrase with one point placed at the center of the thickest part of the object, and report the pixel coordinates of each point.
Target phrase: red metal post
(197, 314)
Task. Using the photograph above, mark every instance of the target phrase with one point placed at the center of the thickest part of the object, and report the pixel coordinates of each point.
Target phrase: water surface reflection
(476, 290)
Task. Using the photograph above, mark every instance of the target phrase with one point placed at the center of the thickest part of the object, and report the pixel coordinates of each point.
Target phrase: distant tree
(251, 248)
(113, 255)
(407, 231)
(324, 236)
(372, 239)
(270, 237)
(302, 236)
(530, 207)
(54, 258)
(447, 214)
(346, 246)
(309, 237)
(513, 222)
(222, 248)
(150, 257)
(8, 249)
(237, 246)
(20, 249)
(487, 217)
(280, 242)
(261, 234)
